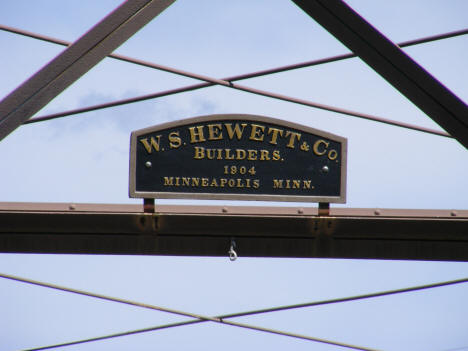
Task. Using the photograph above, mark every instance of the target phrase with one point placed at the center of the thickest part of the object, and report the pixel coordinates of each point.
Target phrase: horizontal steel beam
(257, 231)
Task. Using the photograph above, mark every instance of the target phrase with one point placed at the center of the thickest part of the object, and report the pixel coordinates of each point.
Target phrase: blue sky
(84, 158)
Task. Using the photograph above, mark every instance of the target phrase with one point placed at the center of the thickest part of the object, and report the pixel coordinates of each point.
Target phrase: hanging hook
(232, 253)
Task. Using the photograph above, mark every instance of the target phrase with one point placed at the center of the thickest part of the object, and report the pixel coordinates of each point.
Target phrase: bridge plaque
(238, 157)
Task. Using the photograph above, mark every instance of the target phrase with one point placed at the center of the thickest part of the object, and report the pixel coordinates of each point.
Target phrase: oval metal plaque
(238, 157)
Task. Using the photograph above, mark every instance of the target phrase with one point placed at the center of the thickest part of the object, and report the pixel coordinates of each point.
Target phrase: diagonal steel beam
(388, 60)
(76, 60)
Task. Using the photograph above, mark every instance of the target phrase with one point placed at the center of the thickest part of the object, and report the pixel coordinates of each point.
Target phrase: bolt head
(325, 169)
(148, 164)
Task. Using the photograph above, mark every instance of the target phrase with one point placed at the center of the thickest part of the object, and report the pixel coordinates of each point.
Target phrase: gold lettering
(216, 182)
(264, 155)
(214, 131)
(292, 138)
(292, 184)
(276, 155)
(220, 154)
(252, 155)
(195, 181)
(210, 154)
(228, 155)
(257, 132)
(332, 155)
(154, 143)
(174, 140)
(237, 130)
(199, 152)
(196, 136)
(274, 134)
(317, 146)
(168, 181)
(277, 184)
(240, 154)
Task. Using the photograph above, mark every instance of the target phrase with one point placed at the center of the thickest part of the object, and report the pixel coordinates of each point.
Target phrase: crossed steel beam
(388, 60)
(76, 60)
(383, 56)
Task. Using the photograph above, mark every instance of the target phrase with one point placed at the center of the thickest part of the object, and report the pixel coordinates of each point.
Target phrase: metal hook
(231, 252)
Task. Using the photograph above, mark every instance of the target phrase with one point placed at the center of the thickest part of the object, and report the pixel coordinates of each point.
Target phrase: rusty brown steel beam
(233, 210)
(76, 60)
(388, 60)
(258, 232)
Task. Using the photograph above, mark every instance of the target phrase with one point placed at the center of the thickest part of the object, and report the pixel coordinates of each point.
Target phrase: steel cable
(227, 82)
(180, 313)
(221, 318)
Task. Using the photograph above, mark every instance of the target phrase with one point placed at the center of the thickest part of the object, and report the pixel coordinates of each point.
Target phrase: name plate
(237, 157)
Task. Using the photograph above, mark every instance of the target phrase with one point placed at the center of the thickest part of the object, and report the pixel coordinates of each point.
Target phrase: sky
(84, 159)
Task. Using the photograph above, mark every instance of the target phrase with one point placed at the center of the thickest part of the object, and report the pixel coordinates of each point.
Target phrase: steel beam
(388, 60)
(257, 231)
(76, 60)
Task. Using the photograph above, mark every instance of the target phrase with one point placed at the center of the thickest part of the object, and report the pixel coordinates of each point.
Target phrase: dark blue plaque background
(296, 164)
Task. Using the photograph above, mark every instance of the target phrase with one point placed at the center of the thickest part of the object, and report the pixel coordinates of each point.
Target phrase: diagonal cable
(242, 325)
(220, 318)
(305, 64)
(227, 82)
(185, 314)
(247, 313)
